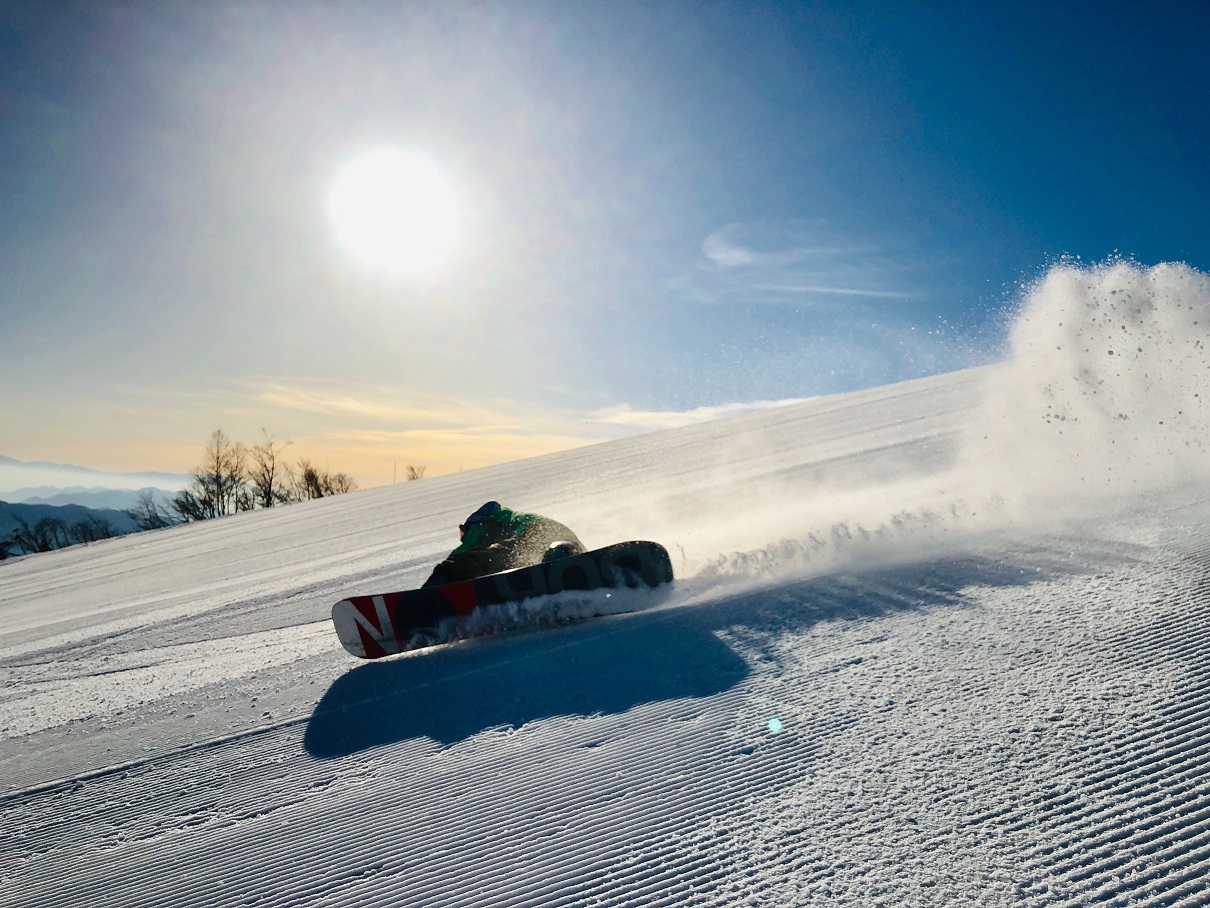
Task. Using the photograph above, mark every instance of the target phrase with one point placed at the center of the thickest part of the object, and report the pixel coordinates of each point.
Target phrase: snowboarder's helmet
(484, 514)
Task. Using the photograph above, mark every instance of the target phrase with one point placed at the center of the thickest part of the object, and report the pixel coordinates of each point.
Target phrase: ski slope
(937, 643)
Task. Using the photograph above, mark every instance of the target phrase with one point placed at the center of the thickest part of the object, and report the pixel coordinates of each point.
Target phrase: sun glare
(394, 212)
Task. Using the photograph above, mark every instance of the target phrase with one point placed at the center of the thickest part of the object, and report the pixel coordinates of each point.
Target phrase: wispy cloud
(374, 425)
(378, 418)
(803, 261)
(736, 246)
(371, 431)
(835, 291)
(365, 403)
(650, 420)
(364, 429)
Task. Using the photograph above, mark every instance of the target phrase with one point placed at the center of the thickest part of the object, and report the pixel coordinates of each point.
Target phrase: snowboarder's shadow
(612, 665)
(448, 694)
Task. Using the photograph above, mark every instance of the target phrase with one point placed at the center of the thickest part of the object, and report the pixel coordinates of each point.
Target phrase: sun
(394, 212)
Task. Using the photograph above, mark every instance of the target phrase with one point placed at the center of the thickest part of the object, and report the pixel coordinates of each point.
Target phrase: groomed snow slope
(976, 606)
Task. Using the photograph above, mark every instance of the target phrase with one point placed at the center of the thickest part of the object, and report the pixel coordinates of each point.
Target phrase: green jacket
(504, 524)
(502, 540)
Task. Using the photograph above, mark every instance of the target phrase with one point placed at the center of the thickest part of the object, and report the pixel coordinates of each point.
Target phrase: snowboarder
(496, 538)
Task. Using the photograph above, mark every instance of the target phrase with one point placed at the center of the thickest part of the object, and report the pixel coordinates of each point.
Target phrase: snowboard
(375, 626)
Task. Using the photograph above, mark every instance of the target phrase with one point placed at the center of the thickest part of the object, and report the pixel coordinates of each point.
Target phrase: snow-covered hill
(939, 643)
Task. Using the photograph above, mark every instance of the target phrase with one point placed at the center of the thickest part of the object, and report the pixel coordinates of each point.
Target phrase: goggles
(480, 516)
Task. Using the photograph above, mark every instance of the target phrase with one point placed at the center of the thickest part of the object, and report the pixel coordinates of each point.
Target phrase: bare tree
(46, 535)
(189, 507)
(225, 483)
(269, 474)
(245, 498)
(306, 481)
(338, 483)
(311, 482)
(148, 515)
(90, 530)
(225, 462)
(219, 484)
(412, 472)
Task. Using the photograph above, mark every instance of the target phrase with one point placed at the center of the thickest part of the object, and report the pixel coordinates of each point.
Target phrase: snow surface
(938, 643)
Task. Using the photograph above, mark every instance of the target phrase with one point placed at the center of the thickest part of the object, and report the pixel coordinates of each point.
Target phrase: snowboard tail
(375, 626)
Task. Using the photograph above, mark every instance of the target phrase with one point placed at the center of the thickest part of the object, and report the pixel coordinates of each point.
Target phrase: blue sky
(667, 211)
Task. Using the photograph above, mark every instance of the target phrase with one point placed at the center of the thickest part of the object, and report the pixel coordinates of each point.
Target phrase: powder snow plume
(1100, 398)
(1104, 392)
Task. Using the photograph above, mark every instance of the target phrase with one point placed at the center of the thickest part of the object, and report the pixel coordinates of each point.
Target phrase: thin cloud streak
(368, 403)
(448, 435)
(370, 408)
(448, 422)
(837, 291)
(726, 253)
(788, 262)
(364, 430)
(651, 420)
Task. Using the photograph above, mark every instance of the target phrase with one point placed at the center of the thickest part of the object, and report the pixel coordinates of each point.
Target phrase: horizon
(455, 237)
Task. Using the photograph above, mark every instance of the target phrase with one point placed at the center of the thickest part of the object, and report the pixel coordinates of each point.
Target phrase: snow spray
(1101, 396)
(1104, 392)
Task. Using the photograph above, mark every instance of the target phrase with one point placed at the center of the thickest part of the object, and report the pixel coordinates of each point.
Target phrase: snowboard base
(603, 581)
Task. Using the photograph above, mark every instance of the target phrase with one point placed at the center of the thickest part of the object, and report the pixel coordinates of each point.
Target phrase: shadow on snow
(453, 692)
(608, 666)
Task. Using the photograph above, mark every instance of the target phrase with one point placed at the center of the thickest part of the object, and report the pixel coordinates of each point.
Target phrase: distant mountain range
(42, 483)
(117, 499)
